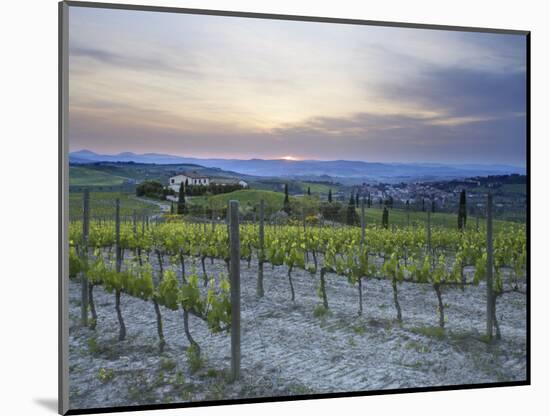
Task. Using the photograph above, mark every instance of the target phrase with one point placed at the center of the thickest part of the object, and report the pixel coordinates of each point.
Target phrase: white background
(28, 192)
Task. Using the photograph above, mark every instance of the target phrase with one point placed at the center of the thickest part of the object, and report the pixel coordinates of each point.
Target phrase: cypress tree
(309, 191)
(357, 199)
(186, 189)
(286, 203)
(182, 209)
(433, 205)
(351, 214)
(462, 211)
(385, 218)
(407, 205)
(369, 201)
(423, 205)
(330, 195)
(171, 208)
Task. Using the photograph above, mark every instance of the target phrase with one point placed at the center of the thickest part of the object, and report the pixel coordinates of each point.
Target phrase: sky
(233, 87)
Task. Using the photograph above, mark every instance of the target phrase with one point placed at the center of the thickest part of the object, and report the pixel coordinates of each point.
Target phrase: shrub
(105, 375)
(151, 189)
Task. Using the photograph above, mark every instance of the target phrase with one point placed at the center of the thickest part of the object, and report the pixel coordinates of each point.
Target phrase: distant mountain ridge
(310, 168)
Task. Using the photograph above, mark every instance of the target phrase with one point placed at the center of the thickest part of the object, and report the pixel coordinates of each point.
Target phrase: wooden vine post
(228, 220)
(84, 278)
(363, 223)
(158, 315)
(235, 254)
(260, 283)
(489, 276)
(306, 256)
(360, 280)
(429, 233)
(118, 265)
(436, 286)
(212, 217)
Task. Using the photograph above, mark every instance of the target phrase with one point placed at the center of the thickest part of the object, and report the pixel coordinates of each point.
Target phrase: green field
(398, 217)
(317, 188)
(246, 197)
(251, 197)
(81, 176)
(102, 204)
(295, 186)
(274, 202)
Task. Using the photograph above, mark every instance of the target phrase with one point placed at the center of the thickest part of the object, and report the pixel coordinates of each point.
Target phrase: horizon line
(298, 159)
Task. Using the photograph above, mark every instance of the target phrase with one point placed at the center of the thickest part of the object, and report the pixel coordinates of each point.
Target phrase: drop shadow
(48, 404)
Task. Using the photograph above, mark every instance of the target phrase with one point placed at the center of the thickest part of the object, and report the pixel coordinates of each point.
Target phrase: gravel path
(164, 206)
(288, 349)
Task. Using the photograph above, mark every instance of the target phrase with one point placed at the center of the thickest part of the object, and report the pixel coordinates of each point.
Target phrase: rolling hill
(82, 176)
(311, 169)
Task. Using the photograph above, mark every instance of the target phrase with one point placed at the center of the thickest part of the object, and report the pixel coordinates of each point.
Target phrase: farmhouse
(189, 179)
(195, 179)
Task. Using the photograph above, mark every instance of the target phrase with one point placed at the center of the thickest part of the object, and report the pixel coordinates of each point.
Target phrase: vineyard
(335, 277)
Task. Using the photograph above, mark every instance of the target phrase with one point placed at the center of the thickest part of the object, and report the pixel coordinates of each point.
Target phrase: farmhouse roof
(193, 175)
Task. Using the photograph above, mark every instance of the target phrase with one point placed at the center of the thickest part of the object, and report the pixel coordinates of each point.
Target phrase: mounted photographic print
(264, 207)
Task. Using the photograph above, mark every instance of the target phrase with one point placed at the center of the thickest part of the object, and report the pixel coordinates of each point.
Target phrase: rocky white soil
(288, 349)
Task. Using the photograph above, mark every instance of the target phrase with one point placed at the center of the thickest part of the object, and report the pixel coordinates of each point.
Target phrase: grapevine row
(438, 258)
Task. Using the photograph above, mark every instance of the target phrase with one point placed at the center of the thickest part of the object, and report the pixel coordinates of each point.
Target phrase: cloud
(462, 92)
(142, 62)
(367, 136)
